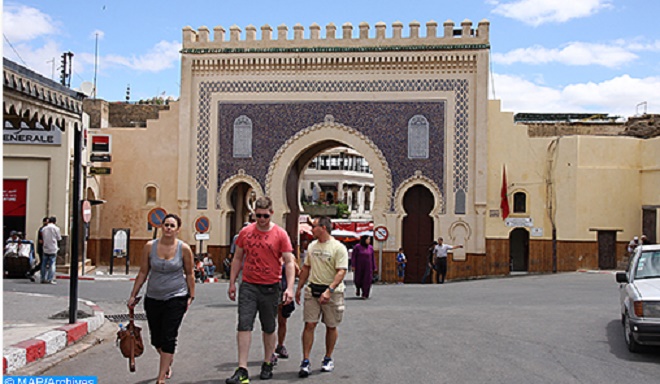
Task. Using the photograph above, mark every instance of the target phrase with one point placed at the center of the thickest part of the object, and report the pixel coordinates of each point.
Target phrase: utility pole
(52, 73)
(96, 61)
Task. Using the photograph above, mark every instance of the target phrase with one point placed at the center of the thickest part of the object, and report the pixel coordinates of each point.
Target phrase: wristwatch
(332, 290)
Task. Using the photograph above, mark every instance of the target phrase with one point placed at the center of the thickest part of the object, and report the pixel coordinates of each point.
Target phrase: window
(519, 202)
(242, 137)
(152, 195)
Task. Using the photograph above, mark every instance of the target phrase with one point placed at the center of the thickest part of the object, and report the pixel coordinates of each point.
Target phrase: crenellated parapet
(364, 39)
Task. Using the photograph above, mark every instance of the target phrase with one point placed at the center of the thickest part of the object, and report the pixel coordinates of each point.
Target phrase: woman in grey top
(168, 262)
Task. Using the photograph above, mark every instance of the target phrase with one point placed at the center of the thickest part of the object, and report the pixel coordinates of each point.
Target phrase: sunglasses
(264, 215)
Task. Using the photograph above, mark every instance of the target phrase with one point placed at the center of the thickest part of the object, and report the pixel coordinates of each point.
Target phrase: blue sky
(546, 55)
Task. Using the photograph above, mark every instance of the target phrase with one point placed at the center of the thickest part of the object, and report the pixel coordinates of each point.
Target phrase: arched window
(519, 202)
(243, 137)
(151, 195)
(418, 137)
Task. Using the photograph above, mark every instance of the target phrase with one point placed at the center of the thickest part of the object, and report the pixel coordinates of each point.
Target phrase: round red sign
(86, 211)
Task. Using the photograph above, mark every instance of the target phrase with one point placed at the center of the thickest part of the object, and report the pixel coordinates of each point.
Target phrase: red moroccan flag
(504, 204)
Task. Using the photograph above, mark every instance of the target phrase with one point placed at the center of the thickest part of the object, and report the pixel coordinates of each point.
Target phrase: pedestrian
(209, 268)
(644, 240)
(401, 265)
(364, 266)
(325, 267)
(284, 312)
(51, 236)
(168, 263)
(40, 252)
(440, 252)
(261, 248)
(429, 264)
(632, 245)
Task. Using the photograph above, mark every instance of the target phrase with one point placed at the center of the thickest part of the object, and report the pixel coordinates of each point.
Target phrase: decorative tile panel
(274, 123)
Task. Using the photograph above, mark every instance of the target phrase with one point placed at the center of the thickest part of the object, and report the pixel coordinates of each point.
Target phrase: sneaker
(328, 365)
(305, 368)
(52, 282)
(273, 359)
(266, 371)
(282, 352)
(240, 376)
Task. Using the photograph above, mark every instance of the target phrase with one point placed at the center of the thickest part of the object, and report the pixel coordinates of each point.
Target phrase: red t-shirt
(262, 253)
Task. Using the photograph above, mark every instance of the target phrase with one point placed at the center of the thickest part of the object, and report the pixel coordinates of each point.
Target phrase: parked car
(640, 298)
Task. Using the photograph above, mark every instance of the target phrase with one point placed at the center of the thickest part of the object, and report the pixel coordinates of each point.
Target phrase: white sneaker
(328, 365)
(305, 369)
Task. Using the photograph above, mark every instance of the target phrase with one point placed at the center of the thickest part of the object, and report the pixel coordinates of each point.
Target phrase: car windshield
(648, 265)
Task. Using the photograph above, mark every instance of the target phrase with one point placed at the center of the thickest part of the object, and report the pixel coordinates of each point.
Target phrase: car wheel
(633, 346)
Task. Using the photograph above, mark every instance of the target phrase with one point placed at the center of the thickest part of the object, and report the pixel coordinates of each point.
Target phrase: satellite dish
(87, 88)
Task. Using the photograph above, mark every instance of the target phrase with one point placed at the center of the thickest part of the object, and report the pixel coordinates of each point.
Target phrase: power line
(14, 49)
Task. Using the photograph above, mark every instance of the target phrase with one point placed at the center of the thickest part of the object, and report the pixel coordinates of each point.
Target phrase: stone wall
(133, 115)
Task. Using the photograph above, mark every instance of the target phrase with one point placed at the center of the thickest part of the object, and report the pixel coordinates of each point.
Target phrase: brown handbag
(130, 340)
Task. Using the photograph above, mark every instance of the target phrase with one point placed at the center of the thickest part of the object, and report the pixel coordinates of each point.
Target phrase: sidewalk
(29, 334)
(103, 273)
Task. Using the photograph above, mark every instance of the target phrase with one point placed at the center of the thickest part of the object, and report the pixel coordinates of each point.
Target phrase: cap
(635, 238)
(12, 233)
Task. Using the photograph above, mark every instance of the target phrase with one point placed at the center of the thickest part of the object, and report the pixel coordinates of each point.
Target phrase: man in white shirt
(51, 237)
(440, 262)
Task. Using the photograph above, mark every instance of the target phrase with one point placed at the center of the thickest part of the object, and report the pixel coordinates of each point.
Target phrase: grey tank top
(166, 277)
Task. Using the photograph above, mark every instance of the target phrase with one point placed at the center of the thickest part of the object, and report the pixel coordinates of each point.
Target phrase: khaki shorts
(330, 313)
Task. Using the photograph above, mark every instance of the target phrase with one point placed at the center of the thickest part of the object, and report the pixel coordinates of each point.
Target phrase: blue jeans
(210, 270)
(48, 267)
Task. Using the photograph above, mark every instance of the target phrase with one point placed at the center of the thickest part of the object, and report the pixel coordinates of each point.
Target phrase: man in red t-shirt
(261, 248)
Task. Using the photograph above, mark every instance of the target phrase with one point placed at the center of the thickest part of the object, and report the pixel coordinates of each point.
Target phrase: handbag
(318, 289)
(130, 340)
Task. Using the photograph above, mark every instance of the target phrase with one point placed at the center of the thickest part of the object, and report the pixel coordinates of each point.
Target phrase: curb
(48, 343)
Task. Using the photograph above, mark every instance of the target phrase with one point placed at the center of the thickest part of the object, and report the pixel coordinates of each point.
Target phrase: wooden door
(606, 249)
(417, 231)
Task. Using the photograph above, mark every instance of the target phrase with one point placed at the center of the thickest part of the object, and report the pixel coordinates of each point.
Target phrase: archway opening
(334, 180)
(418, 203)
(241, 197)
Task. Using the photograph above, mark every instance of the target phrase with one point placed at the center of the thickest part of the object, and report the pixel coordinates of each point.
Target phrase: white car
(640, 298)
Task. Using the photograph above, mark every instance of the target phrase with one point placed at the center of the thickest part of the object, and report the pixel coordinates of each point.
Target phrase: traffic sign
(202, 224)
(86, 211)
(381, 233)
(156, 217)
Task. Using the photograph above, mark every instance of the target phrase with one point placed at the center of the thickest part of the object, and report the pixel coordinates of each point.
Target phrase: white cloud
(617, 96)
(537, 12)
(22, 23)
(162, 56)
(574, 53)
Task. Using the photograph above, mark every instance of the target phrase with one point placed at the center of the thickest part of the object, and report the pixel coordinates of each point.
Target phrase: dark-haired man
(261, 247)
(325, 267)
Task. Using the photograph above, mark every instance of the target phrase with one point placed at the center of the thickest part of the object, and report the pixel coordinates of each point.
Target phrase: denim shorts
(253, 298)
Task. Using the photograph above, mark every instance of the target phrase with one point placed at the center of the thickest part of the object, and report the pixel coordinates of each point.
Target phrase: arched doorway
(519, 250)
(241, 197)
(417, 231)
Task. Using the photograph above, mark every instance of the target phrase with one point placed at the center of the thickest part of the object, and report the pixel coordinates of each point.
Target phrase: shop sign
(32, 137)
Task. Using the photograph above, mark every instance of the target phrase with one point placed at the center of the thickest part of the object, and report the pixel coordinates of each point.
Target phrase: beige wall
(599, 182)
(141, 157)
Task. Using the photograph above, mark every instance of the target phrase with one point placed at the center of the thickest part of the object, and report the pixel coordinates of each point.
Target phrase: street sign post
(381, 234)
(202, 226)
(155, 218)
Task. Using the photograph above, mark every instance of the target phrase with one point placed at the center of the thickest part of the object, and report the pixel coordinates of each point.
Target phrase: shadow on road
(619, 349)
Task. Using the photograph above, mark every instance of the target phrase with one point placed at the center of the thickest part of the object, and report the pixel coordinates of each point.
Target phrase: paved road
(561, 328)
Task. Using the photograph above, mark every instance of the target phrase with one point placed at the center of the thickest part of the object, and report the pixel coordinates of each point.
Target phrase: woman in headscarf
(364, 266)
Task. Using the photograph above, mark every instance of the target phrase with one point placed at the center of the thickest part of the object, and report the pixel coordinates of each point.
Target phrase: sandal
(169, 373)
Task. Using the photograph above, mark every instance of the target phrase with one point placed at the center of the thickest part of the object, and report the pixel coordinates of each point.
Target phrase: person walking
(40, 252)
(440, 253)
(325, 267)
(51, 237)
(364, 266)
(284, 312)
(261, 248)
(168, 263)
(429, 264)
(401, 265)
